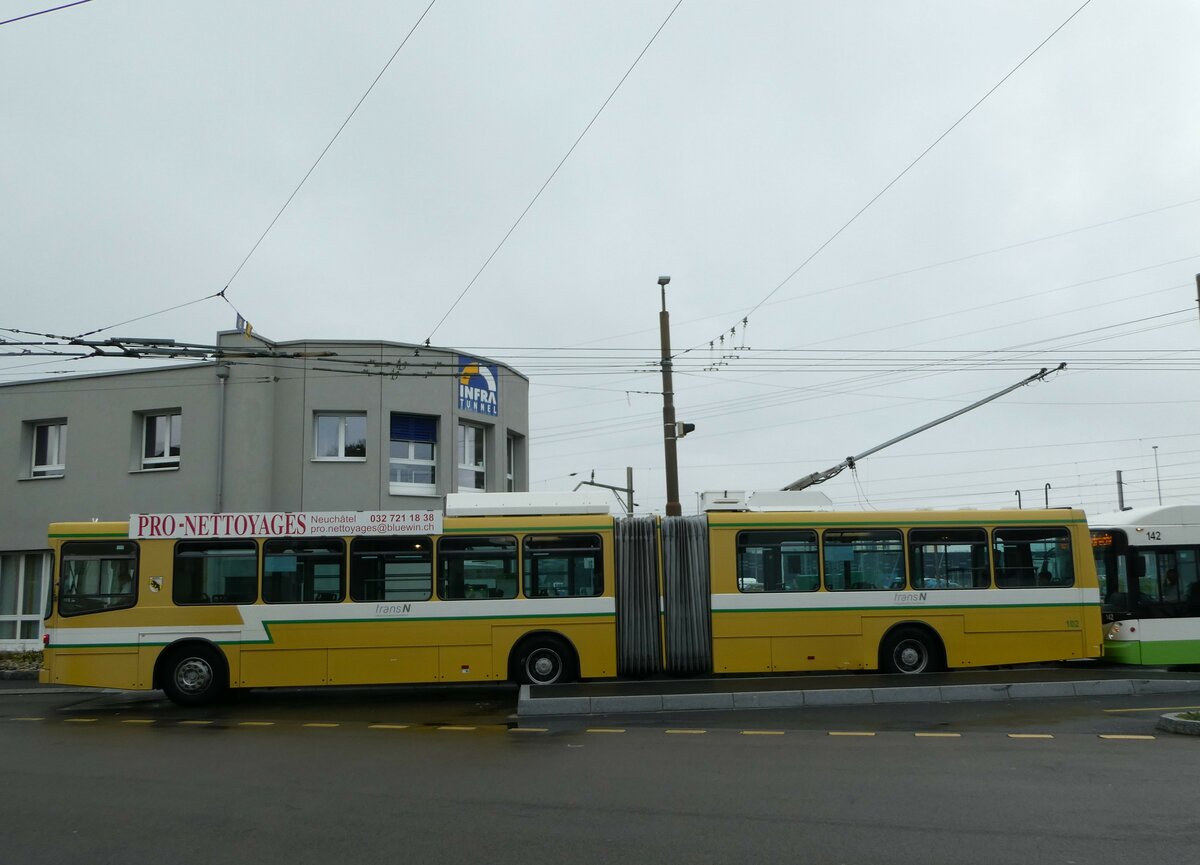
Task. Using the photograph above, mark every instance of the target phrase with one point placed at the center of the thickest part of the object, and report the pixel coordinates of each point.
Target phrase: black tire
(909, 651)
(195, 676)
(545, 661)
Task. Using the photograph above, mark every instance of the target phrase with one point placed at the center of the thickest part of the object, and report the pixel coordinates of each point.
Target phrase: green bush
(20, 660)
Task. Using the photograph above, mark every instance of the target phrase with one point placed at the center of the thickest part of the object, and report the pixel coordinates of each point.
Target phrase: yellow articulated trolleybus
(545, 588)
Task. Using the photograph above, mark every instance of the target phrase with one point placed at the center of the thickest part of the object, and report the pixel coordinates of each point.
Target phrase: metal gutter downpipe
(222, 378)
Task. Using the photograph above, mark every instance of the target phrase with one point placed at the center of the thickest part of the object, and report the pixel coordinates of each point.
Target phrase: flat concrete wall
(269, 428)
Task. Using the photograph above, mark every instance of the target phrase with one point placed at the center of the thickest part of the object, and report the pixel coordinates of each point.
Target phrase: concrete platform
(774, 692)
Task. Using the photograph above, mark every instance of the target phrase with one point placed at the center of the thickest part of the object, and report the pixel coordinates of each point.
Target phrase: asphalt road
(432, 776)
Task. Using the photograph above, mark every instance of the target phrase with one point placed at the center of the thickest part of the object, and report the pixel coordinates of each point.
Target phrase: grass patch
(1190, 716)
(20, 660)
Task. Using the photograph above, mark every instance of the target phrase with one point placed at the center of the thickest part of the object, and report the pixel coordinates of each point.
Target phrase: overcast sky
(146, 146)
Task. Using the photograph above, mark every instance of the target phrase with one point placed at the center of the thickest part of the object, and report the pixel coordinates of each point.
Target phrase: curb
(1174, 722)
(528, 706)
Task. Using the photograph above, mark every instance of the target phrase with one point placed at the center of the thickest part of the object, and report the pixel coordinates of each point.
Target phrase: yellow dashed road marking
(762, 732)
(848, 733)
(686, 732)
(256, 723)
(1123, 736)
(195, 723)
(28, 719)
(1030, 736)
(139, 721)
(605, 730)
(1159, 709)
(455, 727)
(322, 725)
(388, 727)
(81, 720)
(528, 730)
(939, 735)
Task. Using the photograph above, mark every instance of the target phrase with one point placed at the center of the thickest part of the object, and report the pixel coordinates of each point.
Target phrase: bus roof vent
(766, 500)
(723, 500)
(526, 504)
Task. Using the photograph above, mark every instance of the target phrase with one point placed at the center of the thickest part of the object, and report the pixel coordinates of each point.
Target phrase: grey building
(306, 425)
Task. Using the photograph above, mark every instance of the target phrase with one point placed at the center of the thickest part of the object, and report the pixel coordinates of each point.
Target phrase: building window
(412, 468)
(49, 450)
(341, 436)
(24, 585)
(160, 440)
(471, 469)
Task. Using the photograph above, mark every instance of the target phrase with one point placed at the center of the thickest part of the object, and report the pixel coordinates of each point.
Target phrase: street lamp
(674, 509)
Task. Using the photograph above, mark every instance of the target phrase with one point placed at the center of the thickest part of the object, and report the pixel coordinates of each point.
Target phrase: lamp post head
(663, 280)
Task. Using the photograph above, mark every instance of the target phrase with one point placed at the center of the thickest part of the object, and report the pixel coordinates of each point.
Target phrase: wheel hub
(193, 675)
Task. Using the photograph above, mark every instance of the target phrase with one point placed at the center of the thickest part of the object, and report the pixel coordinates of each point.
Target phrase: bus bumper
(1123, 651)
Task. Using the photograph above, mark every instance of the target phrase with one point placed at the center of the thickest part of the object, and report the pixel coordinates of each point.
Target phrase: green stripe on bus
(121, 535)
(267, 626)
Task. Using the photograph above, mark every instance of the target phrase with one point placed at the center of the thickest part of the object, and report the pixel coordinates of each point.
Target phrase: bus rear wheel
(909, 651)
(194, 676)
(545, 661)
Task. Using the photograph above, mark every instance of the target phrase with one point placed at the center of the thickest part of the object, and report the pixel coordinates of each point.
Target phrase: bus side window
(563, 566)
(1033, 558)
(215, 572)
(303, 571)
(391, 569)
(472, 568)
(97, 576)
(777, 561)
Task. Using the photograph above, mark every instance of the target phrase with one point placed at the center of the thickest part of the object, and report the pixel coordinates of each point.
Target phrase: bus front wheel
(545, 661)
(194, 676)
(909, 651)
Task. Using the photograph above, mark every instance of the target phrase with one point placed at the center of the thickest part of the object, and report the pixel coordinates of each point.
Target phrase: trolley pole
(1157, 478)
(674, 509)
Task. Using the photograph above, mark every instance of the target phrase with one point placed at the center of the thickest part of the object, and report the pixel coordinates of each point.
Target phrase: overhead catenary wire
(906, 169)
(317, 162)
(553, 173)
(43, 12)
(906, 272)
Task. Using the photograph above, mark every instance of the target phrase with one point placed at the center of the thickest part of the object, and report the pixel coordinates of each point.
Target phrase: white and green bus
(1148, 564)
